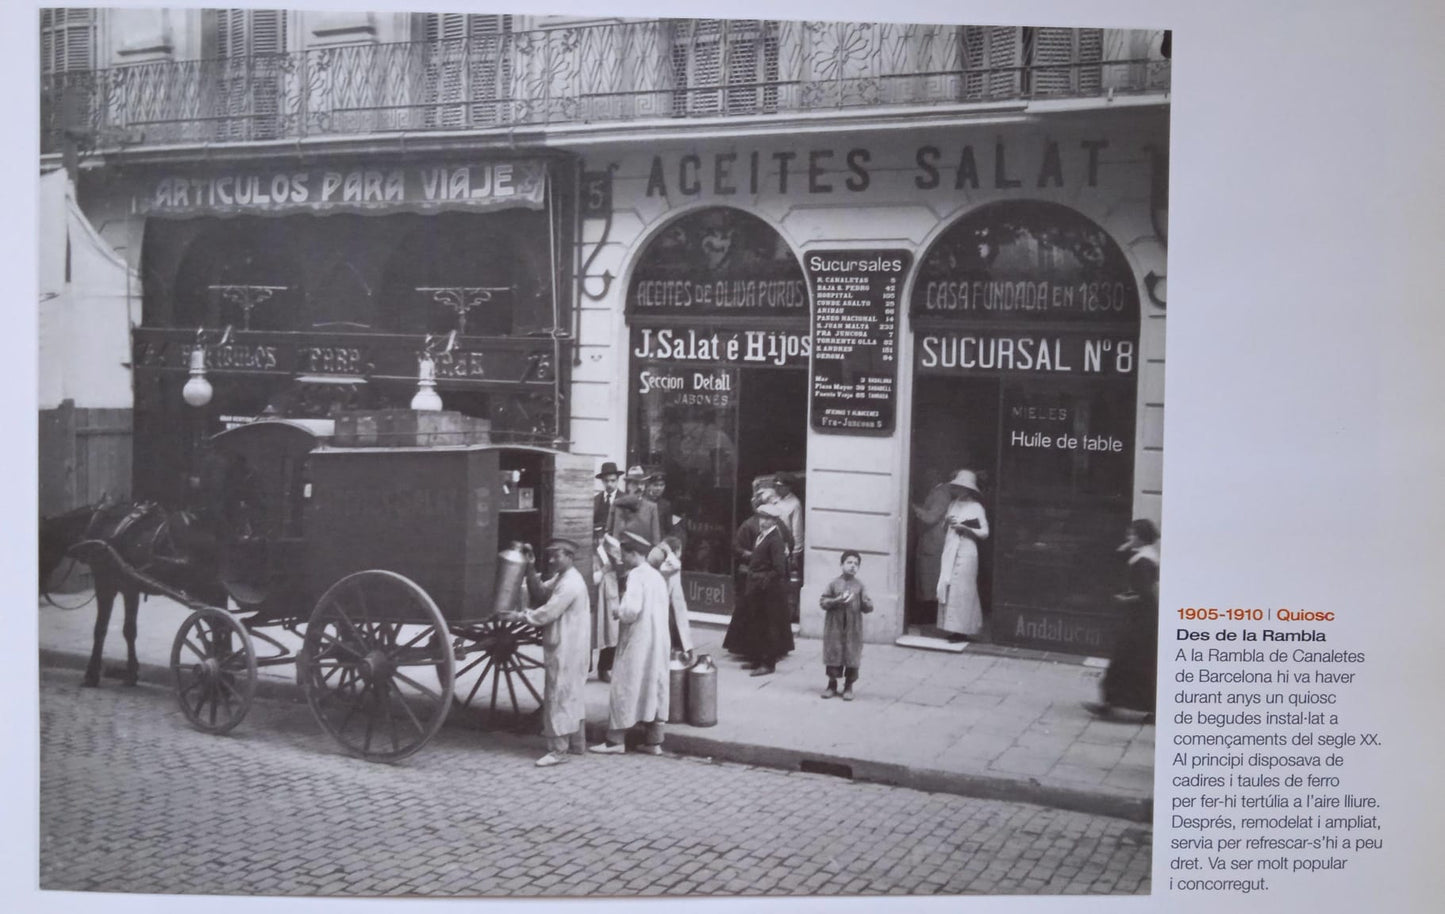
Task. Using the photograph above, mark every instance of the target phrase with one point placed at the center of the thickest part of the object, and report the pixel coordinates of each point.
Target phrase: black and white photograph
(498, 453)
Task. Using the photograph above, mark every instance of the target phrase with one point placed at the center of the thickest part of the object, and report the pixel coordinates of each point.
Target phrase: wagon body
(430, 514)
(311, 513)
(384, 559)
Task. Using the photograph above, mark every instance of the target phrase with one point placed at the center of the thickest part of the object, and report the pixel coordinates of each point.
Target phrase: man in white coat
(639, 690)
(565, 621)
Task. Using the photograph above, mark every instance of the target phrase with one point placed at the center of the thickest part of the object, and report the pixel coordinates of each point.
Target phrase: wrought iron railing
(609, 73)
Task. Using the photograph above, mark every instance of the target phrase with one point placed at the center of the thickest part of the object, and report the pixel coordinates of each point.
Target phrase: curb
(929, 780)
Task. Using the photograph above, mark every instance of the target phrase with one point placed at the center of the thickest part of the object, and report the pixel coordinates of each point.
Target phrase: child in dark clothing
(845, 600)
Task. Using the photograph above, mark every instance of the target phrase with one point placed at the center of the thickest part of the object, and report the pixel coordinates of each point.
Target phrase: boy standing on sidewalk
(845, 600)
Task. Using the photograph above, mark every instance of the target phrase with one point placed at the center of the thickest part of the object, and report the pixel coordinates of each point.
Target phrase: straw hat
(636, 473)
(966, 479)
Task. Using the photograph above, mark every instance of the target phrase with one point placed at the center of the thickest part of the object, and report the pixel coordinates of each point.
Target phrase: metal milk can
(677, 668)
(702, 692)
(511, 571)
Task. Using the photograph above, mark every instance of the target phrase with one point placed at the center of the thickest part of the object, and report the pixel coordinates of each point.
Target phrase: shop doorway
(772, 429)
(955, 427)
(718, 382)
(1026, 323)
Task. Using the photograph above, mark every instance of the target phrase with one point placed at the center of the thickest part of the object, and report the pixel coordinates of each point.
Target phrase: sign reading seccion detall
(855, 338)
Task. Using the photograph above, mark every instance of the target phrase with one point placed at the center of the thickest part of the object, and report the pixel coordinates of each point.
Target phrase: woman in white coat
(960, 612)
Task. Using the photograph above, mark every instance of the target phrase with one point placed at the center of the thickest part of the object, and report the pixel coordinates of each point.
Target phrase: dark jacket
(634, 514)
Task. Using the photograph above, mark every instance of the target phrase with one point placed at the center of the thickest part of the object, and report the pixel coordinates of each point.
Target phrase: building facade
(859, 256)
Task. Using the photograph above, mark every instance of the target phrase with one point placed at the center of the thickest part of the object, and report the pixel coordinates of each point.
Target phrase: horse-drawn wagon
(373, 539)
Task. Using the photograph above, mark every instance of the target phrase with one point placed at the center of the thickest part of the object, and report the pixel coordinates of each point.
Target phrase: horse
(171, 548)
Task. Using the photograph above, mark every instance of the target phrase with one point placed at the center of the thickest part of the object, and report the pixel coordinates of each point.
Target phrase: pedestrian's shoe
(848, 693)
(550, 759)
(830, 692)
(650, 750)
(763, 670)
(608, 748)
(749, 665)
(1099, 709)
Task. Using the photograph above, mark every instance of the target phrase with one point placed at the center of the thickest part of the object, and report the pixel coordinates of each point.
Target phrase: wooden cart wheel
(377, 665)
(500, 658)
(214, 664)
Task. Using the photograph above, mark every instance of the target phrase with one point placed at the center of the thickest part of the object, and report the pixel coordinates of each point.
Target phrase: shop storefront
(1025, 368)
(878, 308)
(717, 314)
(331, 279)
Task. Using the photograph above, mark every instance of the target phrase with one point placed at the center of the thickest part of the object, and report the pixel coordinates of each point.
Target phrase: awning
(89, 299)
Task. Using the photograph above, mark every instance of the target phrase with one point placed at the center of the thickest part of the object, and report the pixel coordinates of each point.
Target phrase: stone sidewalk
(977, 723)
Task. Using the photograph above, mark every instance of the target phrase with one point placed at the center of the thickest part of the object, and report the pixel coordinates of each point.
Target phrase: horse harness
(156, 545)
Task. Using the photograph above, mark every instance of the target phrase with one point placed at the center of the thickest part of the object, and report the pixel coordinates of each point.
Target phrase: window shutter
(1066, 61)
(67, 40)
(466, 62)
(992, 57)
(240, 33)
(719, 65)
(268, 32)
(249, 84)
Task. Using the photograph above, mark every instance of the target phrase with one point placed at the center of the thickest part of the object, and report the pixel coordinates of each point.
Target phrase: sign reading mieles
(476, 186)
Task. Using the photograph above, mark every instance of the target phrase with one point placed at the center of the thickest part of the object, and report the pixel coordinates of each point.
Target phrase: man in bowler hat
(602, 502)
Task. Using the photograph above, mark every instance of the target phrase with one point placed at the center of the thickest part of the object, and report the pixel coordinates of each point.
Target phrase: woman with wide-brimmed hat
(960, 612)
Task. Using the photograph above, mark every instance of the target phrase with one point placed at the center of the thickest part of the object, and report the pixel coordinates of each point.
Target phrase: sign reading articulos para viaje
(428, 187)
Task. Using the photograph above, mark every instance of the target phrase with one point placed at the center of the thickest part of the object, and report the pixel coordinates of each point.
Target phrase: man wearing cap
(602, 502)
(566, 649)
(633, 513)
(639, 690)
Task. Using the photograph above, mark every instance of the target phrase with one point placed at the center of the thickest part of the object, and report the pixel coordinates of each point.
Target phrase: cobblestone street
(134, 800)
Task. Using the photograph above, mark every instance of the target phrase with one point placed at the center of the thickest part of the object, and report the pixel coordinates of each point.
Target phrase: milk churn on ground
(702, 693)
(677, 669)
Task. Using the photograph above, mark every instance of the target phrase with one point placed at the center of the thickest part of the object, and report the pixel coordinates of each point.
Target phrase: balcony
(600, 74)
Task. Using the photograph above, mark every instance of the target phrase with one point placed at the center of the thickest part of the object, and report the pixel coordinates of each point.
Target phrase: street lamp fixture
(198, 390)
(427, 397)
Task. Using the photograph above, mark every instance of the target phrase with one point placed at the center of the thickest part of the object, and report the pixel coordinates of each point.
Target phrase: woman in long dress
(932, 530)
(960, 612)
(1129, 682)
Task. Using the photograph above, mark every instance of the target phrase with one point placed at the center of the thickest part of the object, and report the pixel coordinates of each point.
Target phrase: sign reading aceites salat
(855, 339)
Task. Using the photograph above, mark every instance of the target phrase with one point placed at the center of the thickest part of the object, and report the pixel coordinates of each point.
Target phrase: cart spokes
(377, 666)
(214, 665)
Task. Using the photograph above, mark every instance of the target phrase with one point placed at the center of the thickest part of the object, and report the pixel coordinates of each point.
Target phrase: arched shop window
(243, 272)
(1026, 360)
(457, 271)
(717, 309)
